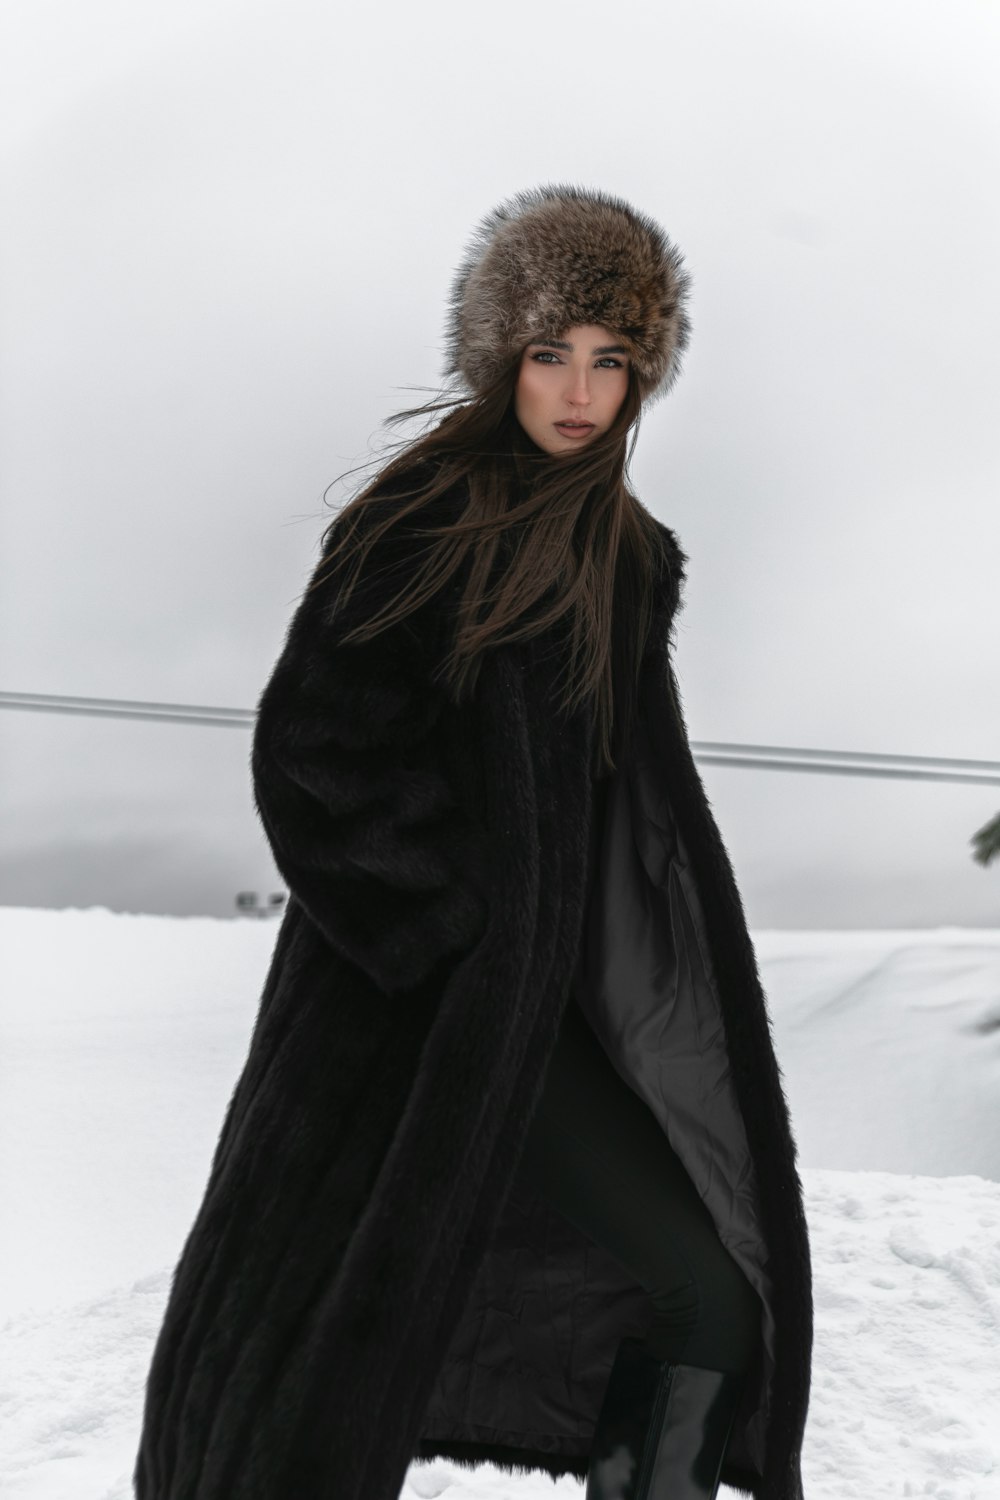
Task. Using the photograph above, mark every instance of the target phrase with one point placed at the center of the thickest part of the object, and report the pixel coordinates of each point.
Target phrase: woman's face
(570, 390)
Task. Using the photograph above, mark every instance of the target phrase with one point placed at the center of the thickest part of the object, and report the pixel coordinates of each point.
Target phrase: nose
(578, 392)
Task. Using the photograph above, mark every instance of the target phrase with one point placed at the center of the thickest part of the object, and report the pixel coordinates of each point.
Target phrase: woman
(508, 1173)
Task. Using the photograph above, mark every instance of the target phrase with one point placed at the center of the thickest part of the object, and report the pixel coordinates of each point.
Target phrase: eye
(544, 356)
(610, 363)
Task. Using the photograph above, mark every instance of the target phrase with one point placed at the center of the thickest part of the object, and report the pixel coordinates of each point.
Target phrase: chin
(567, 445)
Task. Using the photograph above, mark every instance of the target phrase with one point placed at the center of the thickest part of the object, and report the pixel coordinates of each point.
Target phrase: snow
(122, 1038)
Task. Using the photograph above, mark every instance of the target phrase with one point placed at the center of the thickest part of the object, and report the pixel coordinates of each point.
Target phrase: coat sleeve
(350, 783)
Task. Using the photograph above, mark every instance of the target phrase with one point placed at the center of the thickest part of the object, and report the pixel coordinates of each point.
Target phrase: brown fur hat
(557, 256)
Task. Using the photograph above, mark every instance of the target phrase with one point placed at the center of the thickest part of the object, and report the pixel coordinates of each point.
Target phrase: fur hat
(558, 256)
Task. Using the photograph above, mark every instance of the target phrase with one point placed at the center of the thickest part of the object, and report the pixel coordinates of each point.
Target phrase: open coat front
(368, 1280)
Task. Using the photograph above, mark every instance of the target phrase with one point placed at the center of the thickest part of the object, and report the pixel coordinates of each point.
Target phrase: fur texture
(436, 857)
(557, 256)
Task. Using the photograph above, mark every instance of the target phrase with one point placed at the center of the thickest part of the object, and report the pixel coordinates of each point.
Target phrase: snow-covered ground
(122, 1037)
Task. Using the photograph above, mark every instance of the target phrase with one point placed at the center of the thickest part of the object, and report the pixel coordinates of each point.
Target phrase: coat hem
(523, 1461)
(511, 1460)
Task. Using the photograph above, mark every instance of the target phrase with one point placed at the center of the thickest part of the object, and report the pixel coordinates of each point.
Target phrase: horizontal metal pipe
(707, 752)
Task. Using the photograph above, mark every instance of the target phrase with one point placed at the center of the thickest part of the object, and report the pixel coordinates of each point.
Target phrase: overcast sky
(230, 232)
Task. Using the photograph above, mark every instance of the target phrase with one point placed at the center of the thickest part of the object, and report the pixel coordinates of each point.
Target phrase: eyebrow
(558, 344)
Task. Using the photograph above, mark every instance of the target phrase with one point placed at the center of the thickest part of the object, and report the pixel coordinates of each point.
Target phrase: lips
(574, 429)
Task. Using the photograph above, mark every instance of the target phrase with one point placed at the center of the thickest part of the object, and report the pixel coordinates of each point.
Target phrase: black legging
(596, 1152)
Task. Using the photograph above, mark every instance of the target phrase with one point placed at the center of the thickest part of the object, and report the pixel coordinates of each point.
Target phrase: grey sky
(230, 232)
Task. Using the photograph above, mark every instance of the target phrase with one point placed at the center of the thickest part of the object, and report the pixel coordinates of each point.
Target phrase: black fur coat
(367, 1281)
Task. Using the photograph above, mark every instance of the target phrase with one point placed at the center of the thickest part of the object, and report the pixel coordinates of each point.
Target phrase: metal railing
(709, 752)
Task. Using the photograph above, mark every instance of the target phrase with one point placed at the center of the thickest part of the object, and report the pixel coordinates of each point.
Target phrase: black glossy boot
(662, 1429)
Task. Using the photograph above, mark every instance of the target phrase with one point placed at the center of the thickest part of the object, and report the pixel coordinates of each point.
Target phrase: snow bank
(906, 1374)
(122, 1038)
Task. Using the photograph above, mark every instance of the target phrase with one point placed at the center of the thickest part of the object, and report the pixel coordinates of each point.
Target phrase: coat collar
(669, 584)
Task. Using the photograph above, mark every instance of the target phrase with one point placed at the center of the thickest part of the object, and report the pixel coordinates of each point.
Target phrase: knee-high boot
(662, 1429)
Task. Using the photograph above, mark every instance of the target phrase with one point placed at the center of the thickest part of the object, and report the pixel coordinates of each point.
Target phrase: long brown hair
(541, 539)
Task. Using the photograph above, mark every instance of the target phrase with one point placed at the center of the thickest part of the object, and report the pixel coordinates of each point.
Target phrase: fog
(230, 232)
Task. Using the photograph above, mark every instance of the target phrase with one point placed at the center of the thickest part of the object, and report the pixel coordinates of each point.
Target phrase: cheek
(616, 397)
(527, 392)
